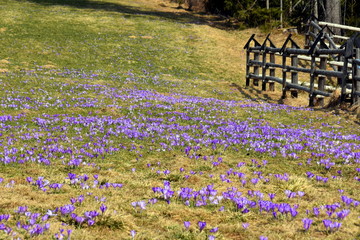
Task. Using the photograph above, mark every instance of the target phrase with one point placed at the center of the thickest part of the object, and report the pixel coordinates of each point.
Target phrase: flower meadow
(119, 120)
(138, 163)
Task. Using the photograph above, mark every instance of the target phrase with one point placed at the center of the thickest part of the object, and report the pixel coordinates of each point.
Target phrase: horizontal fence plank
(288, 84)
(333, 63)
(355, 29)
(274, 65)
(340, 37)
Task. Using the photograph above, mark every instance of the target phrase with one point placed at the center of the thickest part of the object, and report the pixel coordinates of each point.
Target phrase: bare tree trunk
(315, 9)
(281, 13)
(333, 12)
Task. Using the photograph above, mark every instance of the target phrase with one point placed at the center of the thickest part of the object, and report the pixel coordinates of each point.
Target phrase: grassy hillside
(121, 119)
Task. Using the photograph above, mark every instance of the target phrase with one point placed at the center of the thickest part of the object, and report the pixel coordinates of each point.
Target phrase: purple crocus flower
(103, 208)
(293, 212)
(187, 224)
(330, 225)
(90, 222)
(272, 196)
(133, 233)
(346, 200)
(79, 219)
(29, 179)
(300, 193)
(327, 223)
(142, 205)
(4, 217)
(152, 200)
(316, 211)
(201, 225)
(342, 214)
(307, 223)
(254, 181)
(22, 209)
(69, 231)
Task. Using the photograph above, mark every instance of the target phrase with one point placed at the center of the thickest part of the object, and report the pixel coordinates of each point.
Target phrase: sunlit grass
(116, 91)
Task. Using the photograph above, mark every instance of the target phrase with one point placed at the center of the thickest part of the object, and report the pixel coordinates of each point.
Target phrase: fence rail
(261, 66)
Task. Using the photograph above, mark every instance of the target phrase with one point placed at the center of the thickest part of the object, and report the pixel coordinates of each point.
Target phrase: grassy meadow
(129, 119)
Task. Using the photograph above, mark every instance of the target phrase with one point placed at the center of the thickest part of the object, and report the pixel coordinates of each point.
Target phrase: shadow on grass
(255, 94)
(183, 17)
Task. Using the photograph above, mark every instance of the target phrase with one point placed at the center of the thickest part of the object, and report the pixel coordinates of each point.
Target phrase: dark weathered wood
(247, 68)
(329, 51)
(296, 51)
(263, 85)
(312, 82)
(299, 87)
(255, 63)
(273, 65)
(329, 73)
(356, 75)
(318, 29)
(322, 79)
(294, 74)
(272, 72)
(298, 69)
(343, 81)
(256, 67)
(339, 69)
(272, 49)
(284, 77)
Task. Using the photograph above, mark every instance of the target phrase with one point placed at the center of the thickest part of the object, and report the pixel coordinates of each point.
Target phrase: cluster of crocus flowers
(166, 192)
(140, 204)
(331, 225)
(44, 184)
(291, 194)
(62, 234)
(201, 227)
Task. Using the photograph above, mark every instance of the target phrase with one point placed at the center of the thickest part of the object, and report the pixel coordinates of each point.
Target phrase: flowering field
(117, 123)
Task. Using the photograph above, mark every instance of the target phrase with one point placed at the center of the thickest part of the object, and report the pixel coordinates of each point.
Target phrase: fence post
(256, 68)
(312, 80)
(322, 79)
(355, 75)
(284, 70)
(272, 72)
(294, 74)
(344, 79)
(339, 68)
(263, 87)
(247, 67)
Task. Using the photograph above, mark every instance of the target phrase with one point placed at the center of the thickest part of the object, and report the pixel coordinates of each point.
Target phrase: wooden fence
(261, 67)
(315, 26)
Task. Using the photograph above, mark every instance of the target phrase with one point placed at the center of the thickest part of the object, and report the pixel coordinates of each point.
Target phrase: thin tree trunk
(333, 13)
(315, 7)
